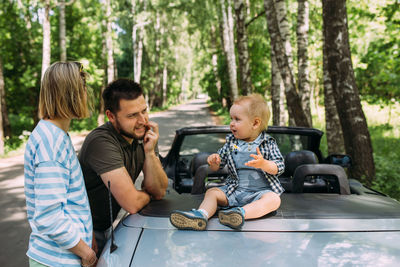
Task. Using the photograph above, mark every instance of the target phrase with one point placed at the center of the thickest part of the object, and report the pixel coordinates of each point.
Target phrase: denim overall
(252, 182)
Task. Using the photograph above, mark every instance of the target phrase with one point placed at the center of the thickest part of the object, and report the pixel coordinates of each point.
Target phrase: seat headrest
(296, 158)
(198, 160)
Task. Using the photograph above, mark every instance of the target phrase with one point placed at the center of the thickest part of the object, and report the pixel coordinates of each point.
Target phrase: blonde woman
(56, 199)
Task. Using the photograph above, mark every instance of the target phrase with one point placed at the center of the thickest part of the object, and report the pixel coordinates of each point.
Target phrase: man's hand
(155, 180)
(260, 163)
(151, 137)
(214, 161)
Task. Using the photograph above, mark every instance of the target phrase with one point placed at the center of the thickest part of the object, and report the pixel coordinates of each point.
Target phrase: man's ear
(110, 115)
(256, 123)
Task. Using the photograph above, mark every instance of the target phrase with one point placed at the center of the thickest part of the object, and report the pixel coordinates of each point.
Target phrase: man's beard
(125, 133)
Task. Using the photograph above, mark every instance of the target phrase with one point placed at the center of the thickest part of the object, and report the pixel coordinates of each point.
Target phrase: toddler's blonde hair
(256, 107)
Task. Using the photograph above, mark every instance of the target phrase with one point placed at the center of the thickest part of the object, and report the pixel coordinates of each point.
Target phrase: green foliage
(220, 111)
(380, 80)
(83, 124)
(259, 52)
(387, 158)
(189, 39)
(374, 35)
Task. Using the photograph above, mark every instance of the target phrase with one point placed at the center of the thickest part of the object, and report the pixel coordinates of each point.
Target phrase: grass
(384, 127)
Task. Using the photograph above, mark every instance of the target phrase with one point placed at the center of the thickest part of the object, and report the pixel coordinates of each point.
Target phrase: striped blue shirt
(270, 151)
(56, 199)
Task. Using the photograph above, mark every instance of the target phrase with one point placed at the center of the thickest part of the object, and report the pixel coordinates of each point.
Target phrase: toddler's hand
(260, 163)
(214, 161)
(257, 162)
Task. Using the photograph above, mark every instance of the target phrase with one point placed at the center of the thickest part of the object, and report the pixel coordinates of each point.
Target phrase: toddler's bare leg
(266, 204)
(212, 199)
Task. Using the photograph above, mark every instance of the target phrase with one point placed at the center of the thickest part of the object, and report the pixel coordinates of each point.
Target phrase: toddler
(254, 161)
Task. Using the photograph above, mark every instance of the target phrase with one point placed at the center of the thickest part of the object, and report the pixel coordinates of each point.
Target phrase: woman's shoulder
(49, 143)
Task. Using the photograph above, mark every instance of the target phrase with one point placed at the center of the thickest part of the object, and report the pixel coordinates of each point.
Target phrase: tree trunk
(293, 100)
(137, 44)
(2, 102)
(139, 57)
(62, 35)
(277, 94)
(46, 53)
(354, 125)
(278, 88)
(164, 85)
(139, 54)
(214, 61)
(109, 44)
(334, 134)
(302, 56)
(155, 94)
(100, 118)
(229, 50)
(242, 48)
(284, 29)
(5, 124)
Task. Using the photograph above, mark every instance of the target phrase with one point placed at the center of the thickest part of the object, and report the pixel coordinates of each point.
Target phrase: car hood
(223, 248)
(153, 241)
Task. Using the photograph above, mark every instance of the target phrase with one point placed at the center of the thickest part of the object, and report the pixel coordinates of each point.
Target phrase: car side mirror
(339, 159)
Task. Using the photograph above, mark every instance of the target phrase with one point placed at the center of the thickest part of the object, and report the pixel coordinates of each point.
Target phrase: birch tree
(109, 43)
(302, 56)
(46, 49)
(62, 28)
(277, 85)
(137, 42)
(228, 44)
(109, 53)
(2, 102)
(293, 99)
(279, 117)
(242, 47)
(62, 34)
(214, 60)
(340, 70)
(100, 118)
(334, 134)
(164, 84)
(156, 87)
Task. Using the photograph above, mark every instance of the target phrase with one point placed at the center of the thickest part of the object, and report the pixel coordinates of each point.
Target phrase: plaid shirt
(270, 151)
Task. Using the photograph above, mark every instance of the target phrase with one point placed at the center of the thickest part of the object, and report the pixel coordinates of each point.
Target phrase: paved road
(14, 227)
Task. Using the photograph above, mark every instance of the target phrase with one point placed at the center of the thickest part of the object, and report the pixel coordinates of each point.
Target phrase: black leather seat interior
(200, 171)
(293, 160)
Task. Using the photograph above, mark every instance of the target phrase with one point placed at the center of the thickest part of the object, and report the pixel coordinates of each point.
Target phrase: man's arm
(124, 191)
(155, 180)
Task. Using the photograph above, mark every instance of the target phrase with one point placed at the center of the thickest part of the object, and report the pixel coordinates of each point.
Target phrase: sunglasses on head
(81, 72)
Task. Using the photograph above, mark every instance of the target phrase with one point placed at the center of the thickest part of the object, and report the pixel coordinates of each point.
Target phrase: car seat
(200, 171)
(340, 184)
(293, 160)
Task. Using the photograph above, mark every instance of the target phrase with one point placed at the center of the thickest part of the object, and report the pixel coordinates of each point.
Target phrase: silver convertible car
(325, 219)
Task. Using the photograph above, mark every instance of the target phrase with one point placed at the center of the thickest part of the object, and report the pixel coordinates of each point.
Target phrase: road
(14, 227)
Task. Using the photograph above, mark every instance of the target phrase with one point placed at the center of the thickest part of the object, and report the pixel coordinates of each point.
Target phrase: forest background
(330, 64)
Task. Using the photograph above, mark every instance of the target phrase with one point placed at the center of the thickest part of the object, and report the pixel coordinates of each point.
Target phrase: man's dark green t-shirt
(104, 150)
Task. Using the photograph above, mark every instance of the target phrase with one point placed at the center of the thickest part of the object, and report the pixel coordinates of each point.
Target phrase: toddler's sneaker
(234, 217)
(188, 220)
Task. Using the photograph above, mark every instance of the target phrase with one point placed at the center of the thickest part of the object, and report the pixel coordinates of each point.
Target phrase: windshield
(211, 142)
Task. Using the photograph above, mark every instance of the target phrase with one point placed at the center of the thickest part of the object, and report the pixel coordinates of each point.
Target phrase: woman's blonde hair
(63, 92)
(256, 107)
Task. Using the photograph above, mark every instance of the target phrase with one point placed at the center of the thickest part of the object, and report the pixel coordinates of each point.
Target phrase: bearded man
(117, 152)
